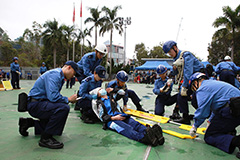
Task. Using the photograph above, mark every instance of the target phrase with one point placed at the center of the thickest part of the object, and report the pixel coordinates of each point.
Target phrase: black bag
(22, 102)
(235, 106)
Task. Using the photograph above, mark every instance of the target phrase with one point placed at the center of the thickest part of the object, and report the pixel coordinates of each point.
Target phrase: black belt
(35, 100)
(227, 70)
(224, 106)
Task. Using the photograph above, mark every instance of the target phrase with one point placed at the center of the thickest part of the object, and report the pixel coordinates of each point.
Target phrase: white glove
(193, 131)
(169, 81)
(121, 92)
(165, 88)
(208, 124)
(94, 96)
(18, 72)
(125, 108)
(184, 91)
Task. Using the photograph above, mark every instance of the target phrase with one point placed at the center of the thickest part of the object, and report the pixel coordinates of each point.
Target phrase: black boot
(77, 107)
(86, 119)
(139, 108)
(158, 133)
(184, 120)
(24, 124)
(236, 143)
(238, 155)
(150, 138)
(175, 114)
(49, 142)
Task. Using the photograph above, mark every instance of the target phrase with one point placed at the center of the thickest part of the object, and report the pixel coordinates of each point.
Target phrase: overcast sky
(153, 21)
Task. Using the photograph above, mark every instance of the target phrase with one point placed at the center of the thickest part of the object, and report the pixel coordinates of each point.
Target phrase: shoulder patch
(88, 79)
(90, 56)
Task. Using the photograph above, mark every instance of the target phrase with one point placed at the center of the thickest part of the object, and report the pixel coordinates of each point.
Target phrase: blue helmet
(168, 45)
(122, 76)
(15, 58)
(161, 69)
(43, 63)
(196, 76)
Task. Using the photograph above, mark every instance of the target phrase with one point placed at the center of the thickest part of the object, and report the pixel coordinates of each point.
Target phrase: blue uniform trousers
(52, 116)
(128, 128)
(135, 99)
(217, 133)
(86, 108)
(15, 79)
(183, 101)
(163, 100)
(72, 82)
(81, 76)
(227, 76)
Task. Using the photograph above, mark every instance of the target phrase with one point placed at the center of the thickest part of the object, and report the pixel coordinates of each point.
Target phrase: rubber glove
(94, 96)
(193, 131)
(169, 81)
(165, 88)
(125, 108)
(121, 92)
(184, 91)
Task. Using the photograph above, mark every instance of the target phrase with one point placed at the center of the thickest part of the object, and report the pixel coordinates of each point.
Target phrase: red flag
(81, 10)
(74, 14)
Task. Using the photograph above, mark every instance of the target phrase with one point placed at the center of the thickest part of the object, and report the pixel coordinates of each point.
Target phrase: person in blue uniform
(110, 113)
(162, 88)
(2, 74)
(185, 64)
(90, 61)
(70, 82)
(120, 83)
(43, 68)
(216, 96)
(47, 104)
(85, 102)
(227, 70)
(15, 73)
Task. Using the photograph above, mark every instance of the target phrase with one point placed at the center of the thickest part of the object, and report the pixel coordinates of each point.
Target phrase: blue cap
(74, 66)
(101, 71)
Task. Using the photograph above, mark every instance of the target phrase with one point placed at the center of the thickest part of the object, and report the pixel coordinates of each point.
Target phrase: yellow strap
(188, 127)
(149, 116)
(160, 119)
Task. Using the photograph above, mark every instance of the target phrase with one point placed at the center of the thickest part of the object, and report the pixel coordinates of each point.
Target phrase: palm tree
(231, 21)
(67, 34)
(111, 22)
(82, 36)
(52, 37)
(96, 19)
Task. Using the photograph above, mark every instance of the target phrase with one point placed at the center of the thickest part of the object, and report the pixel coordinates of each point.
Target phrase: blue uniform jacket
(113, 84)
(108, 107)
(88, 63)
(48, 86)
(211, 96)
(191, 65)
(15, 67)
(226, 65)
(159, 83)
(43, 69)
(87, 85)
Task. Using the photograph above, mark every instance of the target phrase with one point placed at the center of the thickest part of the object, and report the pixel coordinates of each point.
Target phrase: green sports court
(90, 141)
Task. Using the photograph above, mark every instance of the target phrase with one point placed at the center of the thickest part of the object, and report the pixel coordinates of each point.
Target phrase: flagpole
(73, 29)
(81, 27)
